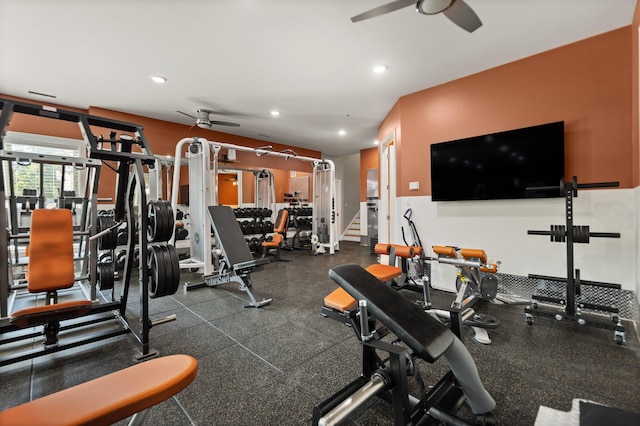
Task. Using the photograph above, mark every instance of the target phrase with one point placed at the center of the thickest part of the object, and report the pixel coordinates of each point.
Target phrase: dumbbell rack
(255, 229)
(300, 220)
(570, 234)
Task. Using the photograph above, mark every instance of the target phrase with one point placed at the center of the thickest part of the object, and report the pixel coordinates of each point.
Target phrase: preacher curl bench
(386, 375)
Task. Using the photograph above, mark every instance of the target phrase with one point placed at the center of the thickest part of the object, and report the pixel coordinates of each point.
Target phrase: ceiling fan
(204, 121)
(459, 12)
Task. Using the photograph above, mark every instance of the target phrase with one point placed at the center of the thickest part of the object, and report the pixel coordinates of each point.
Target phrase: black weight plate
(172, 276)
(152, 220)
(106, 273)
(165, 259)
(166, 262)
(157, 274)
(171, 223)
(109, 240)
(174, 267)
(163, 222)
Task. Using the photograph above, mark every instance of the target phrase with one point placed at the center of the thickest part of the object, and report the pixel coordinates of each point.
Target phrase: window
(27, 176)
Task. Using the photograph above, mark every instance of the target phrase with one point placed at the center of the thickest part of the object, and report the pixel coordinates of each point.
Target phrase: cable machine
(203, 160)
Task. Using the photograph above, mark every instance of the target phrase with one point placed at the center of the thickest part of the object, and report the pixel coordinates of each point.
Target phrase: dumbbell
(104, 257)
(121, 256)
(123, 236)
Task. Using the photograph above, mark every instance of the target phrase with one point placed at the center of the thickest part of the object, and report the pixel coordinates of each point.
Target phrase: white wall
(500, 228)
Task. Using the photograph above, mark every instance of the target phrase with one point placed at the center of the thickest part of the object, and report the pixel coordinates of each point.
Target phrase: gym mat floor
(270, 366)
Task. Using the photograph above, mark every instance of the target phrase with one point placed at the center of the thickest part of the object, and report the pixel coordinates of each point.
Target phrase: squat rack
(129, 154)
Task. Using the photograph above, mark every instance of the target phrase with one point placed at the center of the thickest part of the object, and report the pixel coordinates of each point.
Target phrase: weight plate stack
(106, 276)
(160, 221)
(108, 241)
(164, 270)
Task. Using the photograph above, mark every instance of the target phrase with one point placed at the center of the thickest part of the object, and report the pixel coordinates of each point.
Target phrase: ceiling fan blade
(224, 123)
(461, 14)
(184, 113)
(381, 10)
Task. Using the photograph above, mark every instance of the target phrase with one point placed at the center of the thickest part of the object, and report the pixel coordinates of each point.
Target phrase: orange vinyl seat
(391, 271)
(279, 235)
(384, 272)
(51, 268)
(340, 300)
(108, 399)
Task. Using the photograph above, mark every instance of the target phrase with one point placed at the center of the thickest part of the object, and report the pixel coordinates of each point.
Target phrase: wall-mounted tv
(499, 165)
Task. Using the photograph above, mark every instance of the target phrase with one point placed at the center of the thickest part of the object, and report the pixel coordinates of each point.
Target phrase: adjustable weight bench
(236, 260)
(386, 375)
(111, 398)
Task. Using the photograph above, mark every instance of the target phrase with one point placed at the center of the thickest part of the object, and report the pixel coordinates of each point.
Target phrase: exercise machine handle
(377, 384)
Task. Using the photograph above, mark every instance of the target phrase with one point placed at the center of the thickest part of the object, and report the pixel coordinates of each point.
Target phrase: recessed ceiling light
(342, 132)
(375, 142)
(379, 69)
(158, 79)
(275, 113)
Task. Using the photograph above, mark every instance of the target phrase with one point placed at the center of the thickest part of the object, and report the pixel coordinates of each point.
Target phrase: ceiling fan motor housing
(432, 7)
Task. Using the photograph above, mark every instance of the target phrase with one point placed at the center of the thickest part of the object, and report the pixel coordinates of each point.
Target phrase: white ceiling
(244, 58)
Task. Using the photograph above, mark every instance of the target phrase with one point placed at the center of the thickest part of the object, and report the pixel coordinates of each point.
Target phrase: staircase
(352, 231)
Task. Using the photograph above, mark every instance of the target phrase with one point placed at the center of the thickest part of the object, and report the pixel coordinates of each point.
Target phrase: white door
(386, 216)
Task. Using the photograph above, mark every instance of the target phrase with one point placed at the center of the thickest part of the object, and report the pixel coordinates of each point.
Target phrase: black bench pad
(427, 337)
(229, 236)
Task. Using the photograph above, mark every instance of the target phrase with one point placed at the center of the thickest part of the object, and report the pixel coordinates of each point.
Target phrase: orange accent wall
(635, 103)
(369, 159)
(587, 84)
(163, 137)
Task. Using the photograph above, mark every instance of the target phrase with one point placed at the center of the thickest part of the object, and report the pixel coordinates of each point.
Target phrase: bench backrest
(427, 337)
(50, 250)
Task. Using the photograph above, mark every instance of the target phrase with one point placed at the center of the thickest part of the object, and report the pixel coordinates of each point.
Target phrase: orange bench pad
(384, 272)
(340, 300)
(56, 312)
(108, 399)
(403, 251)
(50, 250)
(382, 248)
(474, 254)
(445, 251)
(275, 242)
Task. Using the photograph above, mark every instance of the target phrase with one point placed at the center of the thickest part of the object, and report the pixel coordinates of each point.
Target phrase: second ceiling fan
(459, 12)
(204, 121)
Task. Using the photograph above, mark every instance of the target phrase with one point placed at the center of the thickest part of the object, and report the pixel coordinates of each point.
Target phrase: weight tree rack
(128, 155)
(570, 234)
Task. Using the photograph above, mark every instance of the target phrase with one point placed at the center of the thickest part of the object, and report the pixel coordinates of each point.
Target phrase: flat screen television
(499, 165)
